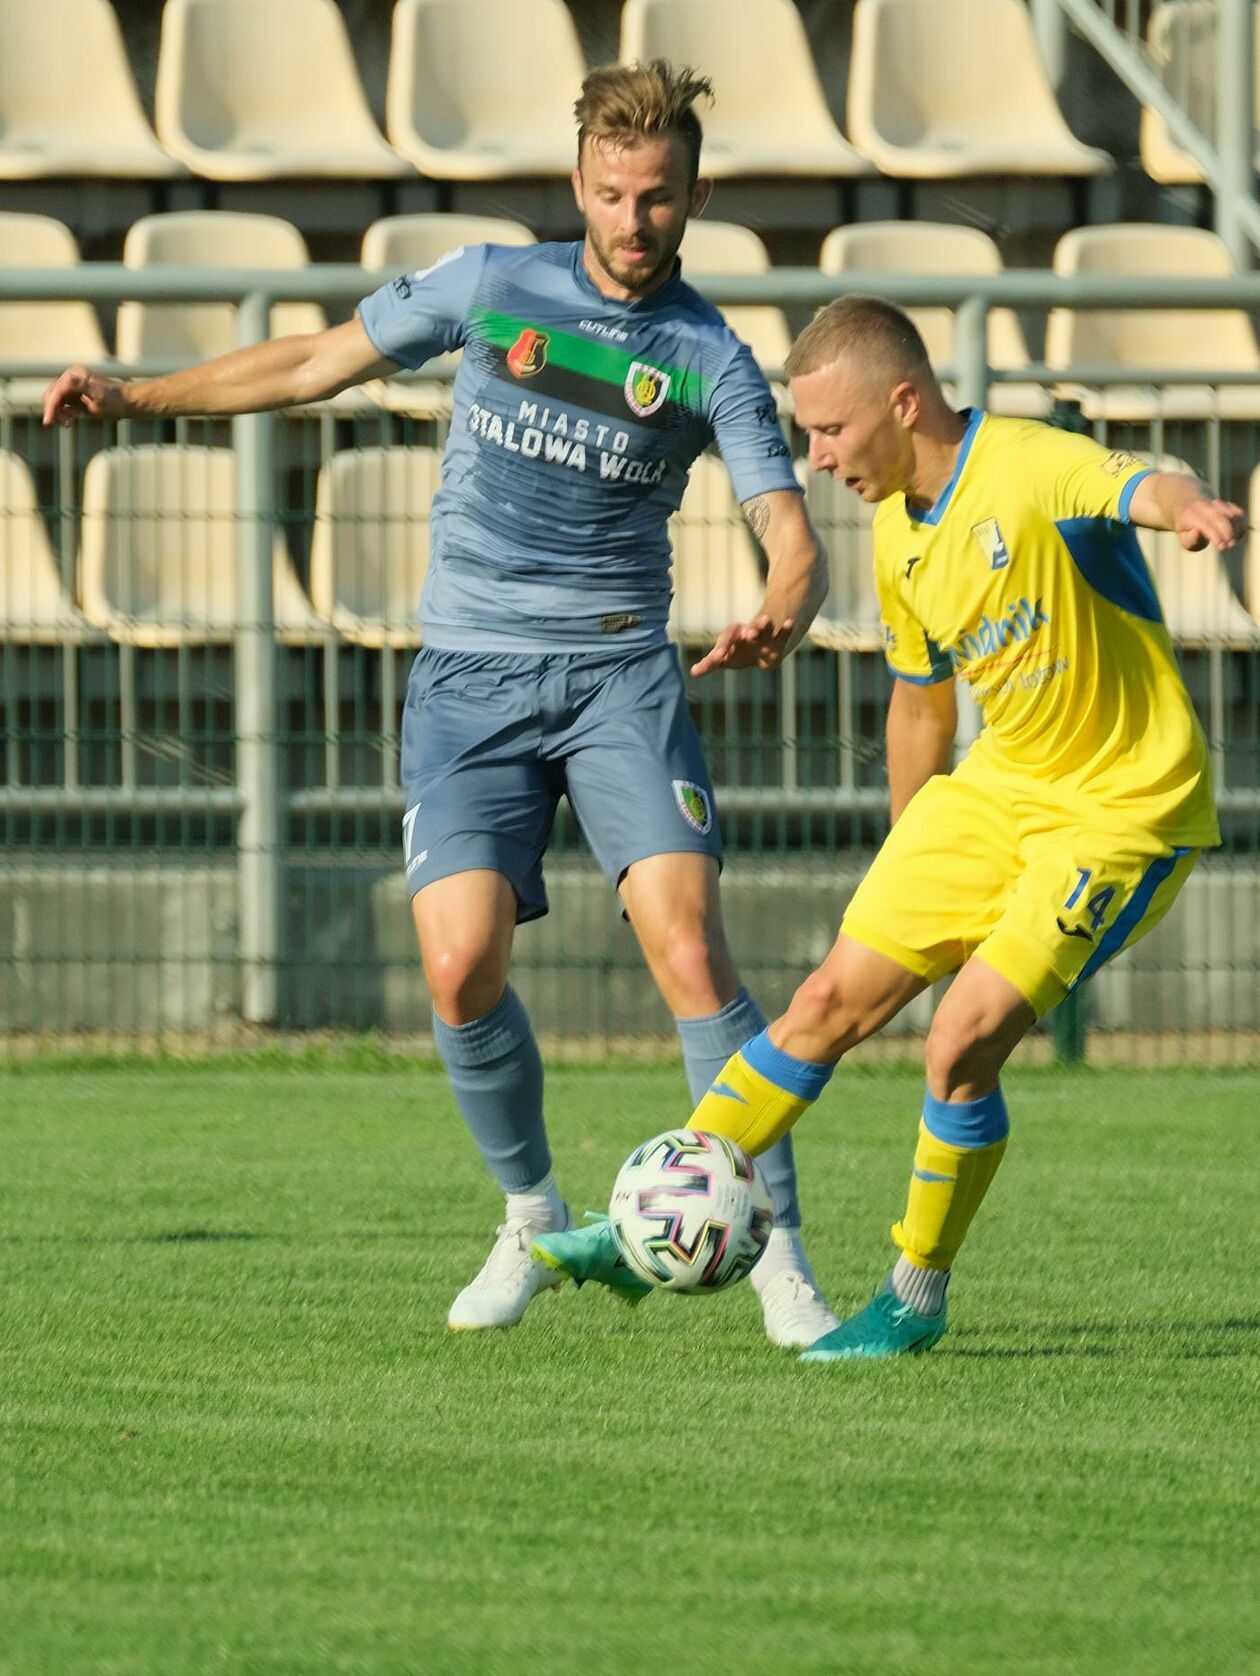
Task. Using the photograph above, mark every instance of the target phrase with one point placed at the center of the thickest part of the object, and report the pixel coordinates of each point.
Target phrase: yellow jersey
(1026, 580)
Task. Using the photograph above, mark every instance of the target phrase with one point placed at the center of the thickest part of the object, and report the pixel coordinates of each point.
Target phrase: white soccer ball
(690, 1211)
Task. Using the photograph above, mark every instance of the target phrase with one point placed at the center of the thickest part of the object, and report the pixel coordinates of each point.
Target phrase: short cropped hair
(622, 104)
(879, 331)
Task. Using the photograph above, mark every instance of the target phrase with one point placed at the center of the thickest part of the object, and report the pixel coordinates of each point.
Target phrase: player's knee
(958, 1058)
(692, 972)
(465, 983)
(826, 1008)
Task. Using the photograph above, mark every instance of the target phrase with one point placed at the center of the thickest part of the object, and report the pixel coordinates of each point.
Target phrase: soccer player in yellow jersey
(1005, 557)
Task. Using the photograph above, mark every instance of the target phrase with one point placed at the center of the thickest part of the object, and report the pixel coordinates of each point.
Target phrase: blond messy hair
(882, 334)
(621, 104)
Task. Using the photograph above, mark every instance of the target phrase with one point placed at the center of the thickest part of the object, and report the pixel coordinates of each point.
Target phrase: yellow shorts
(974, 867)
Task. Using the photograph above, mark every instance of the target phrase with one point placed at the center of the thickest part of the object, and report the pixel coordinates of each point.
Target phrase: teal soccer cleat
(591, 1253)
(886, 1327)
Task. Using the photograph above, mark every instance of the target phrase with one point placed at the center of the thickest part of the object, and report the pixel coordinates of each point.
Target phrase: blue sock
(707, 1044)
(496, 1072)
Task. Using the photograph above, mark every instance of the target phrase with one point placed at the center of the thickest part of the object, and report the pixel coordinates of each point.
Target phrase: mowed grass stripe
(238, 1437)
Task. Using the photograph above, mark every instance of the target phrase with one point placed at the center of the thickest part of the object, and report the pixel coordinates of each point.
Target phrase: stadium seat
(717, 573)
(404, 243)
(769, 116)
(264, 89)
(843, 521)
(157, 563)
(928, 247)
(482, 91)
(720, 247)
(34, 605)
(939, 91)
(1200, 608)
(206, 239)
(50, 335)
(1181, 36)
(370, 547)
(68, 103)
(1208, 339)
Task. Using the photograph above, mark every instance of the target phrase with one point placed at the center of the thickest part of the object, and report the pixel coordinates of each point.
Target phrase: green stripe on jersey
(687, 388)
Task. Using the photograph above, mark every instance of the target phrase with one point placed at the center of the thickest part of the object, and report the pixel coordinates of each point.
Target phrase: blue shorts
(490, 741)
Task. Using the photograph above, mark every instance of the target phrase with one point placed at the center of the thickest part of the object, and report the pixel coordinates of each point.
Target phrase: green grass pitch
(237, 1436)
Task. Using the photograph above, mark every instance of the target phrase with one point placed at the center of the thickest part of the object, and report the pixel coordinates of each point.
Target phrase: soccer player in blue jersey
(592, 377)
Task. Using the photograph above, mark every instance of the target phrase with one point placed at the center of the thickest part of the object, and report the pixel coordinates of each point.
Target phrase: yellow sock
(959, 1149)
(759, 1094)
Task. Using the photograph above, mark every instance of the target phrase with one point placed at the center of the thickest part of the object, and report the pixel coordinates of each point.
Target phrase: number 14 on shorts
(1097, 905)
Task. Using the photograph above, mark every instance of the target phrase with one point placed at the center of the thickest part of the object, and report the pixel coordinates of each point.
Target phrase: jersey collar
(936, 512)
(637, 305)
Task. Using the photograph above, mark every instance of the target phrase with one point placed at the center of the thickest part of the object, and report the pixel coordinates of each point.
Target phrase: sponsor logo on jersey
(528, 354)
(989, 635)
(646, 388)
(1120, 464)
(693, 802)
(992, 544)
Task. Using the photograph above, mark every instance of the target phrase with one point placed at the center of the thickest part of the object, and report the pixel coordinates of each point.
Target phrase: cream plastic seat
(1181, 36)
(937, 91)
(157, 563)
(1207, 339)
(721, 247)
(928, 247)
(769, 116)
(717, 573)
(408, 243)
(370, 548)
(34, 605)
(482, 91)
(42, 334)
(206, 239)
(1200, 608)
(68, 102)
(844, 522)
(262, 89)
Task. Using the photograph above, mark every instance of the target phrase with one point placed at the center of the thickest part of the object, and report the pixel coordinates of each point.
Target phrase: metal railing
(258, 799)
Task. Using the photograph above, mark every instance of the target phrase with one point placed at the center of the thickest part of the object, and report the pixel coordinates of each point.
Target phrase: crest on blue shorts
(694, 803)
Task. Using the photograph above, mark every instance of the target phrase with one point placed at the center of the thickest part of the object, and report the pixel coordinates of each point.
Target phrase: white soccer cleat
(509, 1279)
(794, 1311)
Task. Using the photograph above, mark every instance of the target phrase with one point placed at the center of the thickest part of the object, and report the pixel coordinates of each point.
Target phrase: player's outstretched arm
(920, 732)
(1173, 500)
(285, 372)
(795, 587)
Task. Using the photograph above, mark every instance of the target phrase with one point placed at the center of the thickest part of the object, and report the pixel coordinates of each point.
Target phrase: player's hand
(760, 644)
(1218, 523)
(80, 391)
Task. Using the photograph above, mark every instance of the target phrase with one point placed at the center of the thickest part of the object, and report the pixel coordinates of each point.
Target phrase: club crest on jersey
(528, 354)
(646, 388)
(693, 801)
(990, 538)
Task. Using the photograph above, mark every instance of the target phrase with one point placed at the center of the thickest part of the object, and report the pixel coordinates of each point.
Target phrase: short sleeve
(1082, 479)
(420, 315)
(908, 651)
(745, 423)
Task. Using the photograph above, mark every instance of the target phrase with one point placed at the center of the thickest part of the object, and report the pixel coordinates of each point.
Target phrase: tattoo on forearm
(757, 512)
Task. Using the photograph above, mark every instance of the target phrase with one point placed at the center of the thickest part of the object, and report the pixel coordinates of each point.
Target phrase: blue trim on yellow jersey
(1107, 554)
(1126, 494)
(935, 513)
(1130, 916)
(942, 667)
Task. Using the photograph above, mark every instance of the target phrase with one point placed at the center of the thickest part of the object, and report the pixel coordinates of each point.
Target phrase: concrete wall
(146, 947)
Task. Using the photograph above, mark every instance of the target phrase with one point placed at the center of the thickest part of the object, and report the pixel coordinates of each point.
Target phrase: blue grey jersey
(576, 419)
